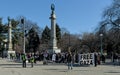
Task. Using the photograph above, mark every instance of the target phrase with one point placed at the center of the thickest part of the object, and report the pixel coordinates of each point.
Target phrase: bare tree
(110, 27)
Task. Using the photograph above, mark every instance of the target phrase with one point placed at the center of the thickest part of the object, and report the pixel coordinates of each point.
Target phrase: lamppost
(22, 22)
(101, 36)
(69, 43)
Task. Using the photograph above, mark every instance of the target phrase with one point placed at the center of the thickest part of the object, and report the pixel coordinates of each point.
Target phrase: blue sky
(77, 16)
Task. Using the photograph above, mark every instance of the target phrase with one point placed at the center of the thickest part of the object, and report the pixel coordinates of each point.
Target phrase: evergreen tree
(15, 32)
(58, 33)
(46, 35)
(33, 40)
(3, 36)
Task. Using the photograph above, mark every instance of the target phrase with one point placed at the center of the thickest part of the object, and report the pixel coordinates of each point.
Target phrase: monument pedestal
(54, 50)
(11, 54)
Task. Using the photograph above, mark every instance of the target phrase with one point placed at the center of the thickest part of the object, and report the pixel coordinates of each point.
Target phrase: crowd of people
(68, 58)
(46, 57)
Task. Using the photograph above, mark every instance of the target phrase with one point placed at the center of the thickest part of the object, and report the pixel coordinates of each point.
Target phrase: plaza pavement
(12, 68)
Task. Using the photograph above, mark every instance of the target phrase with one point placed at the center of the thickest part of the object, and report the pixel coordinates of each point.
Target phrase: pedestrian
(95, 59)
(24, 60)
(53, 57)
(45, 58)
(32, 60)
(98, 59)
(103, 58)
(69, 61)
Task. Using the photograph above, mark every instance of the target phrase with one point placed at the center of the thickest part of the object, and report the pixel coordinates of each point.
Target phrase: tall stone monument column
(10, 50)
(53, 40)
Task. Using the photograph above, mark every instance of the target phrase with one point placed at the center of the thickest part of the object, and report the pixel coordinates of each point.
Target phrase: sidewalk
(51, 69)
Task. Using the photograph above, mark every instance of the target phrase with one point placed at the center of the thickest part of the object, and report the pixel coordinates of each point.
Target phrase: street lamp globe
(101, 34)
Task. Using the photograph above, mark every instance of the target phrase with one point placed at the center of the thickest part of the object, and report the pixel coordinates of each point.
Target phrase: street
(13, 68)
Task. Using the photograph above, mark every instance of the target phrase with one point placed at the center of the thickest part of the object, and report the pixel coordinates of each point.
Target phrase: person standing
(69, 61)
(95, 59)
(98, 59)
(103, 58)
(32, 60)
(45, 58)
(24, 60)
(53, 57)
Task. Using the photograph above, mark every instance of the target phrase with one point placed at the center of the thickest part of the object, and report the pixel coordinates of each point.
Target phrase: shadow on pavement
(82, 70)
(9, 64)
(12, 67)
(111, 63)
(58, 70)
(111, 72)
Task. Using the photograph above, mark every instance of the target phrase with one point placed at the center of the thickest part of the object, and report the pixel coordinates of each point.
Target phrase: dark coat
(69, 58)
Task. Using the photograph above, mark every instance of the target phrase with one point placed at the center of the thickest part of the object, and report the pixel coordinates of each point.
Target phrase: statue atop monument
(52, 7)
(8, 19)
